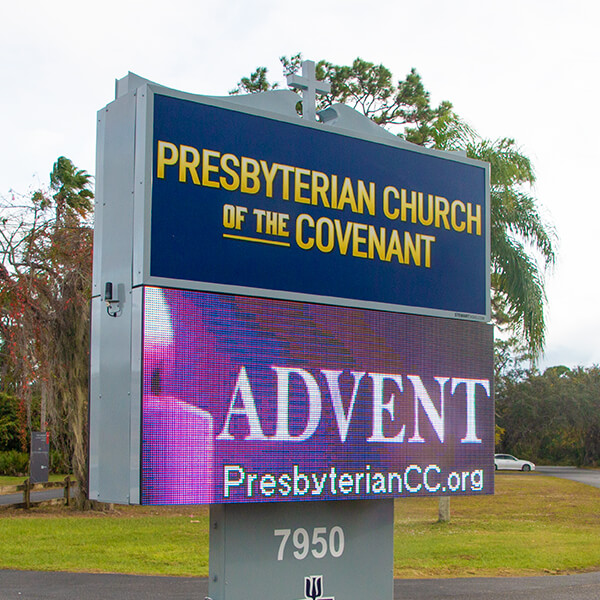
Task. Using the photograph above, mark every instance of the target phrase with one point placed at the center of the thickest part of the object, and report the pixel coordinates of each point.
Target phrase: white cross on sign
(308, 84)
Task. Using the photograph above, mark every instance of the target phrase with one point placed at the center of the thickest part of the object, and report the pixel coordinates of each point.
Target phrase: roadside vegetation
(551, 417)
(533, 525)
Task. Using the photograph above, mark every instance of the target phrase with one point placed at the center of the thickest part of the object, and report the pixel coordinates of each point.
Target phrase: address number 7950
(319, 544)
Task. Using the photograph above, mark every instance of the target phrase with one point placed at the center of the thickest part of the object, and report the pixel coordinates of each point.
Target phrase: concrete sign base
(302, 551)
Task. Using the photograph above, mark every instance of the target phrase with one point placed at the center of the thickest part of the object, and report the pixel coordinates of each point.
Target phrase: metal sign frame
(122, 241)
(143, 191)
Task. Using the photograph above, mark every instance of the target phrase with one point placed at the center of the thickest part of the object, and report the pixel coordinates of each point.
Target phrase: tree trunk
(43, 405)
(80, 445)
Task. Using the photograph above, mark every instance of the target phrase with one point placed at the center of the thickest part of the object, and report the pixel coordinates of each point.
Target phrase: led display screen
(252, 205)
(254, 399)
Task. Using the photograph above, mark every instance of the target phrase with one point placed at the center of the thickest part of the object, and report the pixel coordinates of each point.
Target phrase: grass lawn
(5, 480)
(141, 540)
(534, 525)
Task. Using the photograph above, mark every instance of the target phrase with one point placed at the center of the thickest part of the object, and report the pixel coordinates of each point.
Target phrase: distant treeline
(551, 418)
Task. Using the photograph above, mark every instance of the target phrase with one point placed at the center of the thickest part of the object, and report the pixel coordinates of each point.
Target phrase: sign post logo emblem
(313, 588)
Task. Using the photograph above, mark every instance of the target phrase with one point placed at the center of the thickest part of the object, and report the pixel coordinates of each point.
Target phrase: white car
(507, 461)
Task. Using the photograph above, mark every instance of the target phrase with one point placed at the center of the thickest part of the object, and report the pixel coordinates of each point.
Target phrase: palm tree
(520, 241)
(73, 196)
(522, 244)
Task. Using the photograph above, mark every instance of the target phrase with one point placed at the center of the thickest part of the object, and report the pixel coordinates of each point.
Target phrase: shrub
(9, 423)
(13, 463)
(58, 463)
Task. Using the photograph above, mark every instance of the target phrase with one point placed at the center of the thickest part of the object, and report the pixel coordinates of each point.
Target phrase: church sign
(284, 309)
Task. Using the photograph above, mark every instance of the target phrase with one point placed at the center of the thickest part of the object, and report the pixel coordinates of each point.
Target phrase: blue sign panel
(302, 212)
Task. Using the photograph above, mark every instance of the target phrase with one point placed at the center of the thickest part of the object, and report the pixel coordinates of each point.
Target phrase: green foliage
(404, 107)
(552, 418)
(257, 82)
(9, 422)
(363, 86)
(14, 463)
(522, 244)
(499, 434)
(58, 462)
(45, 272)
(72, 188)
(521, 241)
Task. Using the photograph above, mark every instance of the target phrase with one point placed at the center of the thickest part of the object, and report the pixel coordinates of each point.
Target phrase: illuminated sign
(284, 310)
(245, 204)
(251, 399)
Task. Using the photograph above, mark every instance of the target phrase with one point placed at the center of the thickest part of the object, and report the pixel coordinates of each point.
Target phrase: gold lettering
(161, 158)
(207, 168)
(269, 175)
(428, 239)
(330, 237)
(301, 185)
(188, 165)
(249, 174)
(357, 239)
(412, 249)
(367, 197)
(377, 243)
(299, 224)
(412, 205)
(429, 220)
(456, 225)
(347, 196)
(395, 248)
(285, 185)
(390, 189)
(442, 208)
(473, 219)
(320, 185)
(343, 237)
(334, 191)
(234, 184)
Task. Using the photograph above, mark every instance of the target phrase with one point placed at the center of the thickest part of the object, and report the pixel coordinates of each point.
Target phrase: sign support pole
(302, 551)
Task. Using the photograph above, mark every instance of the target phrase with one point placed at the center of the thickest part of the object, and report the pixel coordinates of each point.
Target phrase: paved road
(32, 585)
(585, 586)
(587, 476)
(40, 496)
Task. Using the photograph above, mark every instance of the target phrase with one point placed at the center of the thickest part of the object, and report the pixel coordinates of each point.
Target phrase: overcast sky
(527, 69)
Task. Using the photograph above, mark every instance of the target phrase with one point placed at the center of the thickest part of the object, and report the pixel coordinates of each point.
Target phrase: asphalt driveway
(587, 476)
(33, 585)
(38, 496)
